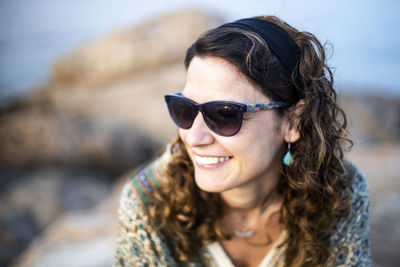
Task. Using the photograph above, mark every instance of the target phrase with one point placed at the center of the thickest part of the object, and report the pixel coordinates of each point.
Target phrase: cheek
(262, 144)
(183, 136)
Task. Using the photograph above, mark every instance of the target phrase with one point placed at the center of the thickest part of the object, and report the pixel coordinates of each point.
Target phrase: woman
(256, 176)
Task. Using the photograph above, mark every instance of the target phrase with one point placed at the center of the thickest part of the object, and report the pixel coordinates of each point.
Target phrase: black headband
(277, 39)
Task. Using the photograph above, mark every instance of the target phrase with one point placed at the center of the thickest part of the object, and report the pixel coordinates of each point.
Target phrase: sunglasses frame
(242, 108)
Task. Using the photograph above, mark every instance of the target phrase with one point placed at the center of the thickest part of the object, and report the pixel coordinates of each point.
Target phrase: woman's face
(252, 157)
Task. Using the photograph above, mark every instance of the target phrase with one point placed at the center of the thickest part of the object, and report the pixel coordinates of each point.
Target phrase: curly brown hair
(315, 191)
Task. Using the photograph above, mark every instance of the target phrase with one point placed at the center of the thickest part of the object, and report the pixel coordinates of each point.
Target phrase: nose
(199, 134)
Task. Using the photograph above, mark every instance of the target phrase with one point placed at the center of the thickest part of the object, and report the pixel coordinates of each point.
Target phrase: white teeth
(210, 160)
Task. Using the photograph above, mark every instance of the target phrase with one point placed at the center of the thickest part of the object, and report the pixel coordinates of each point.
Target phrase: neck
(251, 205)
(253, 195)
(250, 221)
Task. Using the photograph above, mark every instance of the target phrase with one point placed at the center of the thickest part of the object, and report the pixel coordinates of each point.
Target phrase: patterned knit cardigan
(140, 242)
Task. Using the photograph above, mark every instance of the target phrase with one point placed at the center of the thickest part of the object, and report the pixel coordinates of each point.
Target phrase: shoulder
(357, 181)
(137, 195)
(351, 239)
(359, 191)
(139, 241)
(141, 184)
(360, 196)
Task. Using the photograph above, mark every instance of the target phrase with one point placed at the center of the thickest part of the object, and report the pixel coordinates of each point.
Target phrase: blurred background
(81, 104)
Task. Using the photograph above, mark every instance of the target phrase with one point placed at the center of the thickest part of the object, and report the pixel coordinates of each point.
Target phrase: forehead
(212, 78)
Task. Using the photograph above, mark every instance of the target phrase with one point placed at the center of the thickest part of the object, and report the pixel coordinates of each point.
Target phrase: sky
(364, 35)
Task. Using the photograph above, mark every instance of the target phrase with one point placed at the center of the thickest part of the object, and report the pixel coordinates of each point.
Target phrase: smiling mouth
(210, 160)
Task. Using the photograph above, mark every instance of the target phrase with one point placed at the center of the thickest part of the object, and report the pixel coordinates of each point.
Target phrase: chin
(208, 185)
(211, 185)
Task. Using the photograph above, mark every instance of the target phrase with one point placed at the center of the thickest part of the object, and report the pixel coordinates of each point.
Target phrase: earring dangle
(288, 158)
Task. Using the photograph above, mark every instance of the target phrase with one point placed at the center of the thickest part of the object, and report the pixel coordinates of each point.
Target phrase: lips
(210, 160)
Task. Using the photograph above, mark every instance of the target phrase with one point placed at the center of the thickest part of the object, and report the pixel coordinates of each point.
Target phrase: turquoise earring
(288, 158)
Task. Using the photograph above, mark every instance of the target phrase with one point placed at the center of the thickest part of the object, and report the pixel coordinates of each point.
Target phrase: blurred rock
(381, 165)
(78, 238)
(155, 43)
(89, 112)
(34, 200)
(32, 137)
(372, 118)
(385, 223)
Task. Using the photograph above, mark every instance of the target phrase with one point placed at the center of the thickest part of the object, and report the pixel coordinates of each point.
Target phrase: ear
(292, 129)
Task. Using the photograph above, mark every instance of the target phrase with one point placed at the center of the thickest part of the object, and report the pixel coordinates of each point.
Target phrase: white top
(223, 260)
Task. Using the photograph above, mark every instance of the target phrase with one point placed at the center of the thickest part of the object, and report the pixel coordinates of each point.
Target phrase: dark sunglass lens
(224, 119)
(182, 112)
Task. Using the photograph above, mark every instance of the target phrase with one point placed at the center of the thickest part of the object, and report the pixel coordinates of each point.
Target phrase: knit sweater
(140, 242)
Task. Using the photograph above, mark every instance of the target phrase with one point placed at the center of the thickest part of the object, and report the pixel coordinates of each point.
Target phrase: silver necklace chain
(246, 232)
(243, 233)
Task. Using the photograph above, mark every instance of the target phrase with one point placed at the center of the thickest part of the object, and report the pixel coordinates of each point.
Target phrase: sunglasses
(222, 117)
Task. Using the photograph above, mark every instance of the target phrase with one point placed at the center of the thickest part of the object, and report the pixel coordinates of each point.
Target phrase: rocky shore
(67, 148)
